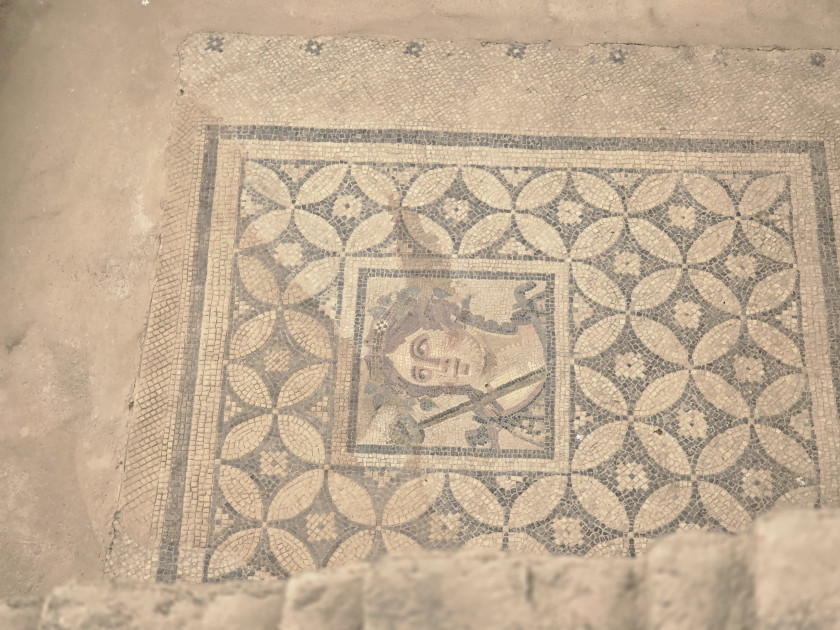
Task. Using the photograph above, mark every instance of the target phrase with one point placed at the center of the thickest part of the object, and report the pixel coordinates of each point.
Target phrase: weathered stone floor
(411, 297)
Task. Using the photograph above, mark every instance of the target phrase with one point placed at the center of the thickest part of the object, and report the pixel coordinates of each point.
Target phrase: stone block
(700, 581)
(592, 594)
(117, 606)
(797, 567)
(20, 613)
(465, 591)
(325, 599)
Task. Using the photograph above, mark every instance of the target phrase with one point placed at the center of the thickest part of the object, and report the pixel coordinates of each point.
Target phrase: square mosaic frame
(202, 534)
(614, 112)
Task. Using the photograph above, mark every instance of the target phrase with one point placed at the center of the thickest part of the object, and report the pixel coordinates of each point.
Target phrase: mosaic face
(473, 380)
(398, 339)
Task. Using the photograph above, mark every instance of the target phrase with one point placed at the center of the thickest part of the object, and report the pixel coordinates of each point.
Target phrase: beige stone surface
(483, 589)
(701, 581)
(115, 606)
(85, 101)
(797, 572)
(326, 599)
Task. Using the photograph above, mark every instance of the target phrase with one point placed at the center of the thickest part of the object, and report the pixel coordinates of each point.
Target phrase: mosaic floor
(369, 339)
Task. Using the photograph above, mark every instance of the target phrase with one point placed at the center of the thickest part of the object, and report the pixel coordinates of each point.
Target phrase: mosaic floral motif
(688, 391)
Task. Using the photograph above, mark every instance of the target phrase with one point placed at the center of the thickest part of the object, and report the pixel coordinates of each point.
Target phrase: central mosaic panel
(405, 345)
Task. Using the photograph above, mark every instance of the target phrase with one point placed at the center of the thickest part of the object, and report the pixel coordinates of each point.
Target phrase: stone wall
(785, 573)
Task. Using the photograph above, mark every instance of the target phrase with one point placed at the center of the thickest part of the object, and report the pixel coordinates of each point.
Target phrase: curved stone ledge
(785, 573)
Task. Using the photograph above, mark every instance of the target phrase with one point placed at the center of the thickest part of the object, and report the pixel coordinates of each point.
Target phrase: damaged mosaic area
(405, 339)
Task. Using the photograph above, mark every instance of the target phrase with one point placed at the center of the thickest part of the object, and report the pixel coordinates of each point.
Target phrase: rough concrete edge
(154, 396)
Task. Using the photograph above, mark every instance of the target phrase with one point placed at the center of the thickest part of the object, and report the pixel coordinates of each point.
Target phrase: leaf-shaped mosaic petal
(600, 390)
(308, 333)
(321, 184)
(302, 384)
(476, 499)
(600, 502)
(780, 395)
(265, 229)
(597, 238)
(723, 450)
(413, 498)
(302, 439)
(599, 446)
(663, 506)
(240, 491)
(724, 508)
(654, 289)
(598, 287)
(653, 191)
(234, 552)
(712, 242)
(376, 185)
(541, 235)
(521, 542)
(774, 342)
(252, 335)
(312, 279)
(598, 337)
(761, 194)
(786, 451)
(541, 190)
(427, 233)
(246, 436)
(351, 499)
(267, 183)
(663, 448)
(767, 241)
(370, 232)
(487, 188)
(709, 193)
(429, 187)
(661, 394)
(248, 385)
(655, 241)
(772, 291)
(538, 501)
(717, 342)
(292, 555)
(720, 393)
(296, 496)
(484, 233)
(799, 497)
(660, 340)
(394, 541)
(597, 192)
(714, 291)
(356, 547)
(318, 231)
(258, 280)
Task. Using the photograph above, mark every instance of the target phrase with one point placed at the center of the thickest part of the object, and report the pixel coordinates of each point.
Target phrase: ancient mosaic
(402, 339)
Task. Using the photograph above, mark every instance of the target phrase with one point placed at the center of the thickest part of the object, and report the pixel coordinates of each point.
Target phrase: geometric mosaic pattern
(550, 345)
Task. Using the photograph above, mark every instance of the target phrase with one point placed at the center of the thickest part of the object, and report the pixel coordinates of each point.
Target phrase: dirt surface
(85, 96)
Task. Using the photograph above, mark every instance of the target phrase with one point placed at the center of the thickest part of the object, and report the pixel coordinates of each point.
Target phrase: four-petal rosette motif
(690, 403)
